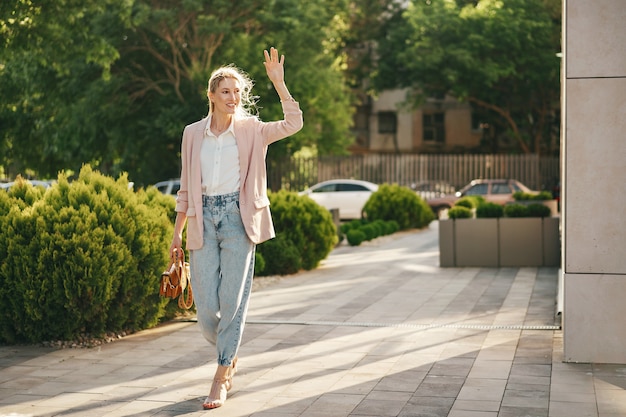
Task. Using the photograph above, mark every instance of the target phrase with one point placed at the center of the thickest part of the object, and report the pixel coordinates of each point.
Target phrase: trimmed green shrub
(544, 195)
(489, 210)
(381, 227)
(281, 256)
(460, 212)
(520, 196)
(84, 257)
(307, 225)
(393, 202)
(376, 229)
(524, 196)
(530, 210)
(355, 237)
(371, 232)
(352, 224)
(538, 210)
(368, 230)
(515, 210)
(468, 202)
(392, 226)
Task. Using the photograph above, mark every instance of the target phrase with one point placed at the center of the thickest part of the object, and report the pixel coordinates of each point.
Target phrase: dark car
(498, 191)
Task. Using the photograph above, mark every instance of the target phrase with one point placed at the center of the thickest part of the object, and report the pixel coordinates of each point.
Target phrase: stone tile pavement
(377, 330)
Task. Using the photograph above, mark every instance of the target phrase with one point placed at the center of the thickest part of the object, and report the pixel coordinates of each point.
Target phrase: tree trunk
(505, 114)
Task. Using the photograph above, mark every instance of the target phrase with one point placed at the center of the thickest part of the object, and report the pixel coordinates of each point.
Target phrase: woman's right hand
(274, 66)
(177, 240)
(175, 247)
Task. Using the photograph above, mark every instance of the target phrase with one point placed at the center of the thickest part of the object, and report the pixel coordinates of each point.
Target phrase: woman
(223, 200)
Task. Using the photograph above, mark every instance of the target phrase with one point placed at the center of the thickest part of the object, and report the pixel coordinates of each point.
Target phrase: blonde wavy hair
(247, 104)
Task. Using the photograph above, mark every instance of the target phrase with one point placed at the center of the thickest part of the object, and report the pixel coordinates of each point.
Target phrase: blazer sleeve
(292, 122)
(182, 197)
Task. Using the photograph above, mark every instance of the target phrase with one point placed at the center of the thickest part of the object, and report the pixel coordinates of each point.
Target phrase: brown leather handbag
(176, 282)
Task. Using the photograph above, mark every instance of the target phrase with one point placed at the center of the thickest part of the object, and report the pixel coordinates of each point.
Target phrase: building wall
(410, 132)
(459, 127)
(388, 101)
(594, 172)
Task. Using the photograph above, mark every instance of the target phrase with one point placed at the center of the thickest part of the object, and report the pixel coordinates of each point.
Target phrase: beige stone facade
(594, 173)
(439, 126)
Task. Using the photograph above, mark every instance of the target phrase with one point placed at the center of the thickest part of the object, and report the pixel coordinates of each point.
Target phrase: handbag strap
(184, 301)
(179, 262)
(180, 255)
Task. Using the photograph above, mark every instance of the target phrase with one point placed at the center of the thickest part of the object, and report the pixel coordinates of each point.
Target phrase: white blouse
(220, 162)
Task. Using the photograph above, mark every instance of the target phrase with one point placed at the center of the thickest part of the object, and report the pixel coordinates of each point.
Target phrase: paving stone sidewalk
(377, 330)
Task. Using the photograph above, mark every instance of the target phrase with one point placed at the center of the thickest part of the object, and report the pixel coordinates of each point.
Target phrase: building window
(387, 122)
(434, 127)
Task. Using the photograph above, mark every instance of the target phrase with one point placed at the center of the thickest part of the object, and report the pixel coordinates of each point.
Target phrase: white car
(349, 196)
(169, 187)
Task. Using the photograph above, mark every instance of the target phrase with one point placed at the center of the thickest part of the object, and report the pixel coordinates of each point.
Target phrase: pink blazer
(253, 137)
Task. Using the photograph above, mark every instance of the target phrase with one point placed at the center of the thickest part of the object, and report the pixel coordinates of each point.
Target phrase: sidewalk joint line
(408, 325)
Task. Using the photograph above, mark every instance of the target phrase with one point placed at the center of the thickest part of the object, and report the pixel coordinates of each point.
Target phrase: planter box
(446, 243)
(552, 241)
(476, 242)
(521, 241)
(504, 242)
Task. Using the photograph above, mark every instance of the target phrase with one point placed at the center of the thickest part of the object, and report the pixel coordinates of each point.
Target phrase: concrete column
(594, 180)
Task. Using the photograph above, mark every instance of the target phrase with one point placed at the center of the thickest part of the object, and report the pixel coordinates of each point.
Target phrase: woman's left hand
(274, 66)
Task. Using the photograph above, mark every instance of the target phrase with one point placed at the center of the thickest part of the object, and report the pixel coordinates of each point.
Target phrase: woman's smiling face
(226, 97)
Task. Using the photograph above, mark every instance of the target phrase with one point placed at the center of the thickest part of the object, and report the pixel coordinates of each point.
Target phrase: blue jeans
(221, 275)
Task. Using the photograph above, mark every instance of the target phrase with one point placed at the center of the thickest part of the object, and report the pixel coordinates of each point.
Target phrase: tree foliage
(501, 56)
(113, 82)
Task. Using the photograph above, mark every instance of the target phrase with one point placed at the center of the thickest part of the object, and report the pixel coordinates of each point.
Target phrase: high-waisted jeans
(221, 275)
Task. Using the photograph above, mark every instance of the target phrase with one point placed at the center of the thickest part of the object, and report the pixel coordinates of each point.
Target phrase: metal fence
(296, 174)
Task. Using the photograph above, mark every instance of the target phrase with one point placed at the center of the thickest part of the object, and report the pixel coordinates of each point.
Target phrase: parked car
(169, 187)
(498, 191)
(349, 196)
(432, 189)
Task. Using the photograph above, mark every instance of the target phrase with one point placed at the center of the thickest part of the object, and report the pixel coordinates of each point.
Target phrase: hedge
(361, 230)
(302, 224)
(394, 202)
(460, 212)
(81, 257)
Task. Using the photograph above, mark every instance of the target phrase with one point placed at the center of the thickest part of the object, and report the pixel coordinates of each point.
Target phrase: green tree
(500, 56)
(365, 24)
(113, 82)
(53, 61)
